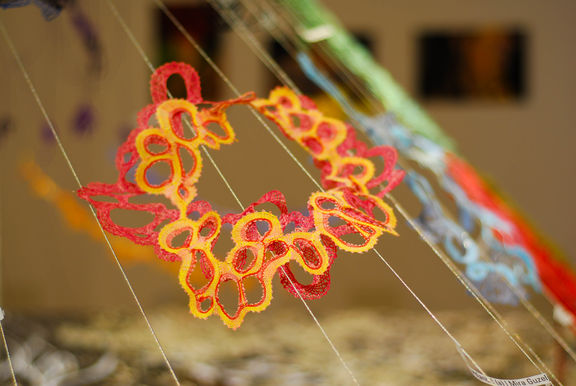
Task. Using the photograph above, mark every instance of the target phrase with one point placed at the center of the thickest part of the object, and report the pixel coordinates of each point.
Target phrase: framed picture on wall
(203, 23)
(480, 64)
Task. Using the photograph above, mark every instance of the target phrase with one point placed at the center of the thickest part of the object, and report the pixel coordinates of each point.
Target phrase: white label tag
(540, 379)
(534, 380)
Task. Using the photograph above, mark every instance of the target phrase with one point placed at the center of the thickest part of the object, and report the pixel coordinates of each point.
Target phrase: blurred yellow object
(81, 220)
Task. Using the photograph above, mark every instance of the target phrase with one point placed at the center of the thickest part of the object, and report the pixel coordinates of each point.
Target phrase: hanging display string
(179, 26)
(8, 356)
(77, 179)
(277, 67)
(368, 98)
(250, 39)
(483, 255)
(359, 90)
(218, 170)
(152, 69)
(494, 314)
(357, 87)
(235, 195)
(228, 82)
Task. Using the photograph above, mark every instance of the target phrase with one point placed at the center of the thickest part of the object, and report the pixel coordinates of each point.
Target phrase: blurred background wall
(524, 145)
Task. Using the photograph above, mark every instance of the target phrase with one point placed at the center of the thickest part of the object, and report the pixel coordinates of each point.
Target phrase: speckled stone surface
(287, 348)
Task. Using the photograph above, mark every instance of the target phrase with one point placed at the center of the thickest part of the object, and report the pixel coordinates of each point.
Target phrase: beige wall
(525, 147)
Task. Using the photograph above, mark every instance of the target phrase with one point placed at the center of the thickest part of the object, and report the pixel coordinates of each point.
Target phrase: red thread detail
(159, 87)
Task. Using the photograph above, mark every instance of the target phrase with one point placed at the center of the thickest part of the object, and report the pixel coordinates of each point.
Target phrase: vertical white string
(368, 97)
(228, 82)
(265, 58)
(8, 356)
(225, 180)
(5, 343)
(252, 42)
(515, 338)
(75, 175)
